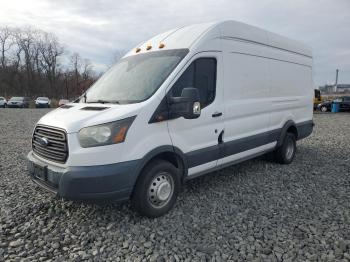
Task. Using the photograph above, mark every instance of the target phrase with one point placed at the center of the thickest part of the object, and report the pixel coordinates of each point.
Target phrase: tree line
(34, 63)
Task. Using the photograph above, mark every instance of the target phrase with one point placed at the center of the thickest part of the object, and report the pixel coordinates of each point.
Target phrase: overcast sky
(97, 29)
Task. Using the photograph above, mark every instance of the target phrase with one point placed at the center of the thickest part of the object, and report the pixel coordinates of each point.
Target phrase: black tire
(282, 154)
(142, 194)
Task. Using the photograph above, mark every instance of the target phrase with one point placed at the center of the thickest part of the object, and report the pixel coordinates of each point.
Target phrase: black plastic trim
(283, 132)
(224, 149)
(212, 153)
(159, 150)
(305, 129)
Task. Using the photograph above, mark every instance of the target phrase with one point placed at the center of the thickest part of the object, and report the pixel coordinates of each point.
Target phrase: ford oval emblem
(43, 141)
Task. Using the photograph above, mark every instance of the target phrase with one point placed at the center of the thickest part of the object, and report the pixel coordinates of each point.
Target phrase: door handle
(217, 114)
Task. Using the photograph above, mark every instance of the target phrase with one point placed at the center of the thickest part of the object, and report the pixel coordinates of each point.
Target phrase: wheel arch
(289, 127)
(168, 153)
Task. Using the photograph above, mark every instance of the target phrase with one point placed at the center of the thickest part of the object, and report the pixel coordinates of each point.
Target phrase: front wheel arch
(168, 153)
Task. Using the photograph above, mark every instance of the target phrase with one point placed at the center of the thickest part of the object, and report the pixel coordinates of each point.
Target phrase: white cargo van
(184, 103)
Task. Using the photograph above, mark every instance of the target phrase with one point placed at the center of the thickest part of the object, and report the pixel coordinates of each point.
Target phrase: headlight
(105, 134)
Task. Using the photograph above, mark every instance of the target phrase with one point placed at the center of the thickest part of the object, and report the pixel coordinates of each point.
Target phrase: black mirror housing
(187, 105)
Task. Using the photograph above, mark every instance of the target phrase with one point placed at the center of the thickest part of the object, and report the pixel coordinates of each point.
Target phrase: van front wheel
(286, 152)
(156, 190)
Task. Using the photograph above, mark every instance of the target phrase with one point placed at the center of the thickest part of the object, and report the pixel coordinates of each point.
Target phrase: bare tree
(75, 61)
(6, 42)
(30, 64)
(50, 50)
(87, 69)
(26, 40)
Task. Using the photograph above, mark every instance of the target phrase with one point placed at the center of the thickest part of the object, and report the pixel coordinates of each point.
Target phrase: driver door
(199, 138)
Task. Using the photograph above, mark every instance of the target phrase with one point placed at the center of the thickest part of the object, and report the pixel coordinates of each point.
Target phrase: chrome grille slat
(35, 143)
(57, 148)
(53, 141)
(49, 155)
(49, 137)
(52, 135)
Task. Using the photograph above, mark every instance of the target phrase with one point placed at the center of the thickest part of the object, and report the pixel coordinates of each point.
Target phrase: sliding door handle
(217, 114)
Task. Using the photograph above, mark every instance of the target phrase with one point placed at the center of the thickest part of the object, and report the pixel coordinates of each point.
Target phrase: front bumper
(15, 105)
(42, 105)
(114, 181)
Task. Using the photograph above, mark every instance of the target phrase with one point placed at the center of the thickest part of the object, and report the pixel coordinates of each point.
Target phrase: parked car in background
(42, 102)
(20, 102)
(3, 102)
(344, 104)
(325, 106)
(63, 102)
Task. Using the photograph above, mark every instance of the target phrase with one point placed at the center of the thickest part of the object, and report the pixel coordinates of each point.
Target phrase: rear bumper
(305, 129)
(114, 181)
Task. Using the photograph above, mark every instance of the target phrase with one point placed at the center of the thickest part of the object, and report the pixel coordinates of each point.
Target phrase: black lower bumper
(42, 106)
(15, 106)
(114, 181)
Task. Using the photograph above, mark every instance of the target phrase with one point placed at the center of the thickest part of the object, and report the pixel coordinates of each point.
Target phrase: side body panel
(198, 138)
(291, 88)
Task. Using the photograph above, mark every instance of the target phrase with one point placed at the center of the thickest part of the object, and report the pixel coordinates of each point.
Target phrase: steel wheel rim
(323, 109)
(290, 149)
(161, 190)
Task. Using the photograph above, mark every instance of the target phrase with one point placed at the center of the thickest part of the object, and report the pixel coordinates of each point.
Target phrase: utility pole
(336, 80)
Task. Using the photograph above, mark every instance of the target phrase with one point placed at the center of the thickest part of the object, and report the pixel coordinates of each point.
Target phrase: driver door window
(201, 74)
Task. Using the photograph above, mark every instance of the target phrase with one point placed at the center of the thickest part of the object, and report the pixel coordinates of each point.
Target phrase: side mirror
(187, 105)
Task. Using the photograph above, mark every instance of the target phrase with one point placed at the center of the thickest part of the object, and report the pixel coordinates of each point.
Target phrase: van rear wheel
(156, 190)
(286, 152)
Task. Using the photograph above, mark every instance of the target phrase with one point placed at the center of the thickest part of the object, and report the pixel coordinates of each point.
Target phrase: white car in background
(42, 102)
(63, 102)
(3, 102)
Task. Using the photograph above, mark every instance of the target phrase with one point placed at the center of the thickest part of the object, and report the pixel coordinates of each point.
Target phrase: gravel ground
(256, 210)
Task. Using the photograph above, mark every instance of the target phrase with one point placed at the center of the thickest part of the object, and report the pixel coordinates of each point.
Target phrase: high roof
(186, 37)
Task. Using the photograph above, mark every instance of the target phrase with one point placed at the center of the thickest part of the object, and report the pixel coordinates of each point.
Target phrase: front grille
(56, 149)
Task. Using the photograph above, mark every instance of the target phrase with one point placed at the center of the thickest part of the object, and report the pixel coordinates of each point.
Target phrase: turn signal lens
(120, 136)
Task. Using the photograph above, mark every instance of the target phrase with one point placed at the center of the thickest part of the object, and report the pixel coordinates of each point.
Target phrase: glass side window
(201, 74)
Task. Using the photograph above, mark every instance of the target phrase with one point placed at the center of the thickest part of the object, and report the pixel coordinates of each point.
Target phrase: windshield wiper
(100, 101)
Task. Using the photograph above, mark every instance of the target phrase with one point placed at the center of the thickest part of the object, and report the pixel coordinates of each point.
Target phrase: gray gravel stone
(256, 211)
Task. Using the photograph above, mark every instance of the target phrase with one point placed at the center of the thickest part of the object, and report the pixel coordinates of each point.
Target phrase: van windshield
(134, 78)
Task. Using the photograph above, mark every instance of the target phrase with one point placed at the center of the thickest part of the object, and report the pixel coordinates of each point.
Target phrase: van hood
(74, 116)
